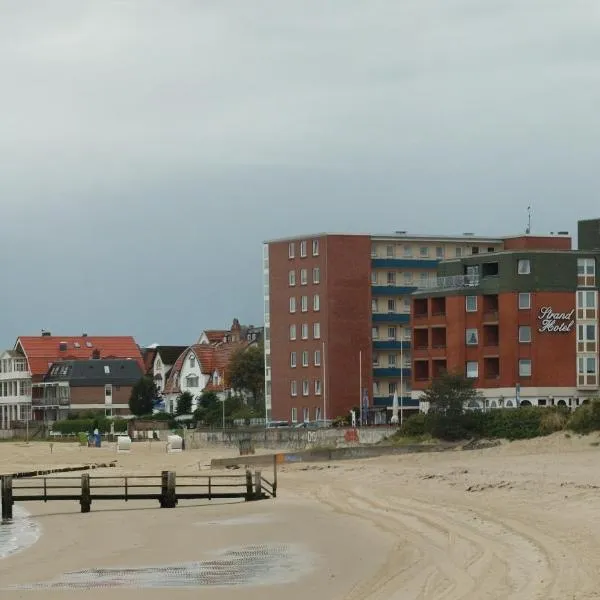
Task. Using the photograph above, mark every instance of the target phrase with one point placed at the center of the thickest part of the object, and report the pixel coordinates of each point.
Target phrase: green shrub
(586, 418)
(414, 426)
(75, 426)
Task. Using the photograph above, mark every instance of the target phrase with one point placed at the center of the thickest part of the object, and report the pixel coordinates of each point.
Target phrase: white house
(15, 388)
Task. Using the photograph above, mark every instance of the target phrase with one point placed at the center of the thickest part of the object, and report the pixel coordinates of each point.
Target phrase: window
(373, 277)
(472, 370)
(458, 252)
(317, 358)
(192, 361)
(586, 272)
(192, 381)
(375, 388)
(316, 303)
(524, 367)
(316, 275)
(305, 358)
(408, 277)
(391, 360)
(292, 304)
(292, 278)
(471, 337)
(303, 276)
(423, 252)
(391, 305)
(292, 359)
(304, 331)
(304, 303)
(108, 390)
(586, 370)
(389, 251)
(408, 251)
(317, 393)
(375, 359)
(406, 304)
(305, 387)
(106, 370)
(303, 249)
(586, 299)
(392, 387)
(318, 411)
(294, 412)
(316, 331)
(524, 266)
(373, 250)
(524, 301)
(315, 247)
(292, 250)
(524, 334)
(391, 333)
(305, 415)
(439, 252)
(391, 278)
(424, 277)
(375, 333)
(292, 332)
(374, 305)
(471, 303)
(407, 333)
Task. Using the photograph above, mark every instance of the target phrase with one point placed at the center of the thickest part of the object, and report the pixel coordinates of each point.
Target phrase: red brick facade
(92, 398)
(343, 317)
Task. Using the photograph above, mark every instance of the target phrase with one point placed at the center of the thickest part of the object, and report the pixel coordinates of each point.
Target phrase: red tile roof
(42, 351)
(215, 335)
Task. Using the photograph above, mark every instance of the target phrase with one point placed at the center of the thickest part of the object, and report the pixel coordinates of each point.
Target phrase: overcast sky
(147, 148)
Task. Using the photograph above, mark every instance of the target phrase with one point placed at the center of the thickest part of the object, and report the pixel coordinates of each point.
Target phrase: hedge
(75, 426)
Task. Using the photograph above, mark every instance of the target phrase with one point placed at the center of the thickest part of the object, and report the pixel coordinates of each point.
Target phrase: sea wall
(287, 439)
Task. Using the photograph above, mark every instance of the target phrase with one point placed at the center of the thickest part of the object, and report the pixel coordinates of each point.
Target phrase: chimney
(84, 335)
(46, 333)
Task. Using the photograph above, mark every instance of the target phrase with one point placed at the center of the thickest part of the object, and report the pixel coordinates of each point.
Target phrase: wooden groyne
(167, 488)
(72, 469)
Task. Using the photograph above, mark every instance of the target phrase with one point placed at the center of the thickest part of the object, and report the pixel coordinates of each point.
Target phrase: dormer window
(192, 361)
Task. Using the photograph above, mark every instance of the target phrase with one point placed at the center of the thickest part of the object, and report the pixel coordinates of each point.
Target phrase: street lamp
(223, 402)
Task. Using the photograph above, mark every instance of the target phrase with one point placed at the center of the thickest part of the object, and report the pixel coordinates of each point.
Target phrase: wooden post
(257, 485)
(7, 498)
(209, 487)
(45, 490)
(86, 494)
(274, 475)
(172, 491)
(126, 490)
(248, 486)
(164, 488)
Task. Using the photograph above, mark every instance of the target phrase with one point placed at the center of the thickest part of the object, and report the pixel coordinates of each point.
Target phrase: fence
(166, 488)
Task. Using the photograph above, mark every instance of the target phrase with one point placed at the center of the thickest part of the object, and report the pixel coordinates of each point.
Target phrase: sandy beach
(520, 521)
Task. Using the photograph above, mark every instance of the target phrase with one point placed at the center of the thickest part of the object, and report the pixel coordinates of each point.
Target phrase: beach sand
(520, 521)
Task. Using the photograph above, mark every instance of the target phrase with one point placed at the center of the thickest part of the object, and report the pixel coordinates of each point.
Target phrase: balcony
(438, 368)
(491, 368)
(392, 290)
(390, 372)
(421, 368)
(391, 345)
(421, 308)
(48, 402)
(450, 282)
(404, 401)
(391, 317)
(403, 263)
(491, 338)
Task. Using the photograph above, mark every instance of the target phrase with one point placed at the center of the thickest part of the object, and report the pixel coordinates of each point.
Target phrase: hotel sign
(555, 322)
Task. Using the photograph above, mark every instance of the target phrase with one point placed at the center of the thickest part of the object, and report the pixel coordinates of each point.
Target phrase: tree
(184, 404)
(246, 373)
(143, 394)
(210, 409)
(450, 393)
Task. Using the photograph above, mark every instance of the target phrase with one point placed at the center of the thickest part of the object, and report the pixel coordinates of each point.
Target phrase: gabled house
(237, 333)
(96, 384)
(24, 368)
(159, 361)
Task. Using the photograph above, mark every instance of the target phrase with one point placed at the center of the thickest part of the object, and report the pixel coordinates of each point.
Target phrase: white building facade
(15, 389)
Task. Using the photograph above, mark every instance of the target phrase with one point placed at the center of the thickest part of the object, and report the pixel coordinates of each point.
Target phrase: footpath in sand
(520, 521)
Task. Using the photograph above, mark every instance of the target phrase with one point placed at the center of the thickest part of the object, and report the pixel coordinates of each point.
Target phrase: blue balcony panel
(390, 372)
(403, 263)
(390, 345)
(392, 290)
(391, 318)
(407, 401)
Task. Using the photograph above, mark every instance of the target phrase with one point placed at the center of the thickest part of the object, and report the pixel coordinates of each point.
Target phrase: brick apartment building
(334, 302)
(522, 322)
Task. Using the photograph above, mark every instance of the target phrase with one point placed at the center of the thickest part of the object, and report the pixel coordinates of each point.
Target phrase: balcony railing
(450, 282)
(42, 402)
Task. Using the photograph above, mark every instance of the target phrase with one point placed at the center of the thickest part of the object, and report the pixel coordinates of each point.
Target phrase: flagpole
(360, 399)
(401, 380)
(324, 387)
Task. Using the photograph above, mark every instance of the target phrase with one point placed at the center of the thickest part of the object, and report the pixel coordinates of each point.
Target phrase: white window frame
(424, 252)
(408, 251)
(474, 371)
(408, 277)
(439, 252)
(305, 387)
(523, 338)
(407, 333)
(293, 389)
(586, 272)
(315, 247)
(391, 278)
(304, 304)
(293, 332)
(317, 331)
(292, 278)
(374, 277)
(522, 367)
(585, 295)
(390, 251)
(391, 305)
(582, 330)
(316, 275)
(374, 253)
(305, 415)
(392, 388)
(303, 277)
(458, 252)
(391, 360)
(292, 304)
(292, 250)
(305, 358)
(317, 358)
(374, 305)
(467, 299)
(294, 412)
(582, 367)
(317, 389)
(467, 336)
(316, 303)
(524, 266)
(375, 333)
(303, 253)
(523, 296)
(293, 359)
(375, 359)
(304, 331)
(392, 333)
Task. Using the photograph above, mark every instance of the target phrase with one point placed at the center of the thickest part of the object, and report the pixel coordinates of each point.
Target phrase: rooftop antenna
(528, 230)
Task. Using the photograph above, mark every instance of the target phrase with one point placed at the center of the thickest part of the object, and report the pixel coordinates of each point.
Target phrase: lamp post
(401, 382)
(324, 386)
(360, 399)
